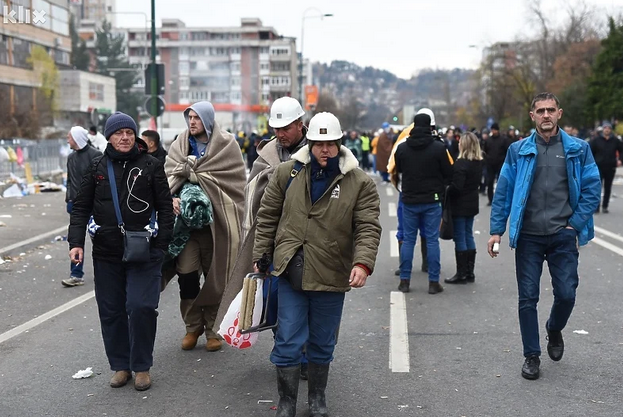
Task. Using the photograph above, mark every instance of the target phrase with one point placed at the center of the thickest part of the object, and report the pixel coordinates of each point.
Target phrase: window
(96, 91)
(21, 53)
(235, 66)
(4, 50)
(60, 20)
(40, 6)
(60, 57)
(183, 36)
(218, 51)
(235, 50)
(184, 67)
(264, 66)
(235, 81)
(280, 66)
(236, 96)
(266, 81)
(264, 50)
(265, 97)
(280, 50)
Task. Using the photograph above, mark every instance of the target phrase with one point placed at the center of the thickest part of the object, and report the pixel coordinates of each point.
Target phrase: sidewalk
(31, 220)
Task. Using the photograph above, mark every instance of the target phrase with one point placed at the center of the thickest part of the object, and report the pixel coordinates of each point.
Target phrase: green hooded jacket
(337, 232)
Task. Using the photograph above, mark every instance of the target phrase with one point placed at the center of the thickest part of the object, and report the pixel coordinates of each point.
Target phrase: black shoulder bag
(136, 244)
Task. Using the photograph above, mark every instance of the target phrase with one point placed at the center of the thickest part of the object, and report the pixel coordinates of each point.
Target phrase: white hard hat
(425, 110)
(324, 127)
(284, 111)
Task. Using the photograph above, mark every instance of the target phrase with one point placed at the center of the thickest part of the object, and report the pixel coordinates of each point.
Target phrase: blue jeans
(76, 270)
(308, 318)
(415, 216)
(127, 296)
(561, 253)
(463, 233)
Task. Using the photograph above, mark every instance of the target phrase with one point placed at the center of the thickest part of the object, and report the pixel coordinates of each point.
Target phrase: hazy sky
(401, 36)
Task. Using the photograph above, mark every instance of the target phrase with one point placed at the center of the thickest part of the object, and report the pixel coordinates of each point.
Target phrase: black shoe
(530, 368)
(489, 204)
(597, 211)
(304, 371)
(404, 285)
(555, 344)
(397, 272)
(434, 287)
(471, 263)
(606, 211)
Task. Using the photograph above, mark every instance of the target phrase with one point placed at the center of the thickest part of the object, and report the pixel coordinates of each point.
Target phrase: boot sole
(529, 376)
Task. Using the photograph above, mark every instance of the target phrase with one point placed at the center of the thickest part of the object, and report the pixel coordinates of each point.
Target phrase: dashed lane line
(393, 244)
(609, 234)
(398, 333)
(391, 209)
(608, 246)
(46, 316)
(390, 191)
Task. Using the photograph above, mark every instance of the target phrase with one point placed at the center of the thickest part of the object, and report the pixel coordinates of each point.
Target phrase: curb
(33, 241)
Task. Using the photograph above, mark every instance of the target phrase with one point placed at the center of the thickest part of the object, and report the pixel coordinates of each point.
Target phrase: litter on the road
(85, 373)
(384, 397)
(48, 257)
(580, 332)
(264, 401)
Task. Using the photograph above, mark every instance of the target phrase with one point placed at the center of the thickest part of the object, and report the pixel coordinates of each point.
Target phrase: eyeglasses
(550, 110)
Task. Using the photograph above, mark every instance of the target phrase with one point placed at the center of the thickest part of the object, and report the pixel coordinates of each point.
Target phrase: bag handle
(115, 196)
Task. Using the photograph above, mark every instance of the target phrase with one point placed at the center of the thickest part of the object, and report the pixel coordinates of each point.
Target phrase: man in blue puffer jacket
(550, 188)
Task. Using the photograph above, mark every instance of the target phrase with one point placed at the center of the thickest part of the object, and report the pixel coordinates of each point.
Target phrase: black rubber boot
(461, 269)
(288, 388)
(424, 254)
(471, 263)
(317, 384)
(397, 271)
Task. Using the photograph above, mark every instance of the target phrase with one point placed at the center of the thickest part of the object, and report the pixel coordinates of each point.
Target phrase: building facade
(241, 70)
(84, 94)
(25, 25)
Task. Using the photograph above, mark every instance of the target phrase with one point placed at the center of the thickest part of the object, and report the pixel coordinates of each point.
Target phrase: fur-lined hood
(348, 162)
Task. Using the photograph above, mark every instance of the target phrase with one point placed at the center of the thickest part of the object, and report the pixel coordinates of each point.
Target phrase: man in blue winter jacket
(549, 186)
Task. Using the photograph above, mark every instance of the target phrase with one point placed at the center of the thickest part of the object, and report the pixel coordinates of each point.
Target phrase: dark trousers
(493, 171)
(365, 160)
(561, 253)
(607, 176)
(127, 296)
(306, 318)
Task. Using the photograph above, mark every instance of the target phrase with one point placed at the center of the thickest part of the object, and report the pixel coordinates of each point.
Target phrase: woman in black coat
(463, 195)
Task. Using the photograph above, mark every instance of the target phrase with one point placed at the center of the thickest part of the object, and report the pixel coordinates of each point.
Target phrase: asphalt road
(464, 349)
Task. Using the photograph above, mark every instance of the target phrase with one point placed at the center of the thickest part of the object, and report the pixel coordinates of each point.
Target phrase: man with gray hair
(78, 164)
(604, 148)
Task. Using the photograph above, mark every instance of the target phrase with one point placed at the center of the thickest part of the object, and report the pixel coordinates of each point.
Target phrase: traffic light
(395, 118)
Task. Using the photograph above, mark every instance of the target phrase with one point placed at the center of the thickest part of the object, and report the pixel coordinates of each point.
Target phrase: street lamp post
(301, 65)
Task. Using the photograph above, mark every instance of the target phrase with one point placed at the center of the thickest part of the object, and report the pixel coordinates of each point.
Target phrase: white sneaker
(72, 282)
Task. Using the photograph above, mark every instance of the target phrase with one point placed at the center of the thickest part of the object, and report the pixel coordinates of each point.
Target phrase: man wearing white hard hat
(286, 118)
(318, 224)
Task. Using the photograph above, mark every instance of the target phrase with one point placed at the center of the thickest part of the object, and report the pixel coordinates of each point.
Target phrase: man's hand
(493, 240)
(76, 255)
(176, 206)
(358, 277)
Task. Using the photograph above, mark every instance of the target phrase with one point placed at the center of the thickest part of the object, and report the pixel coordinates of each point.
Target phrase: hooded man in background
(210, 157)
(78, 164)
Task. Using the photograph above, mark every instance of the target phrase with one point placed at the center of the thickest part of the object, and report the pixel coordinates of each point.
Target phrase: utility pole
(154, 72)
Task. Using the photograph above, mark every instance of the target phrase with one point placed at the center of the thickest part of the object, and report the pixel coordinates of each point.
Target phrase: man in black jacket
(78, 164)
(604, 148)
(127, 293)
(425, 170)
(154, 146)
(495, 148)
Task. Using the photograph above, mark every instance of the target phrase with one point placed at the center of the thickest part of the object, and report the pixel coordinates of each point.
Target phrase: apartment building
(25, 24)
(241, 70)
(93, 10)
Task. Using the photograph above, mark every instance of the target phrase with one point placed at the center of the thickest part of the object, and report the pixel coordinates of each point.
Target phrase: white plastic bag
(229, 329)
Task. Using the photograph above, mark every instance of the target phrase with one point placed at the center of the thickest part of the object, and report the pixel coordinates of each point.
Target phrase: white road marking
(398, 333)
(46, 316)
(391, 209)
(609, 234)
(390, 191)
(393, 244)
(33, 239)
(608, 246)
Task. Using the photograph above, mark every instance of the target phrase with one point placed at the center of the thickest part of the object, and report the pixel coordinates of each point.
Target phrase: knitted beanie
(119, 121)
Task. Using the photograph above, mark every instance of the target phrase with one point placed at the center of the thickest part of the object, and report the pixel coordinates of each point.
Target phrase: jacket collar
(348, 162)
(570, 146)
